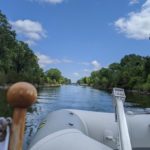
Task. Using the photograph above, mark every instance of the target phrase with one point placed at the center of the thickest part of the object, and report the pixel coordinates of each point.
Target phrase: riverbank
(47, 85)
(126, 90)
(138, 92)
(6, 86)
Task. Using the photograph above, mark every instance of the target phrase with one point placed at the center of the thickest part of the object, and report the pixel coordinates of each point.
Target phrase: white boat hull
(93, 131)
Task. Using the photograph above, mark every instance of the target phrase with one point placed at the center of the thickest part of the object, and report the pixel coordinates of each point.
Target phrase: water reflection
(138, 103)
(142, 101)
(5, 109)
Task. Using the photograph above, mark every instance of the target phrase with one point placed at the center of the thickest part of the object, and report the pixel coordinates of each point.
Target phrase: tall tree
(133, 72)
(54, 74)
(7, 43)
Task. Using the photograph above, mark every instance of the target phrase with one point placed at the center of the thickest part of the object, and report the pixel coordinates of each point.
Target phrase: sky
(80, 36)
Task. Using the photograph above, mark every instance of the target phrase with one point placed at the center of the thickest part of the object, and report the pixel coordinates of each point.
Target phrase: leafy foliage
(133, 73)
(54, 77)
(19, 63)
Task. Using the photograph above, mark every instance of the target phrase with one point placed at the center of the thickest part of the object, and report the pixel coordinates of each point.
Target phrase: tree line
(19, 63)
(131, 73)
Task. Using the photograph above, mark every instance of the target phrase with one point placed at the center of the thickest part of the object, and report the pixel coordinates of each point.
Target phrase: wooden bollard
(20, 95)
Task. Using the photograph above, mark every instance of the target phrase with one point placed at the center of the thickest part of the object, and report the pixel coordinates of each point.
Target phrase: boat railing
(124, 138)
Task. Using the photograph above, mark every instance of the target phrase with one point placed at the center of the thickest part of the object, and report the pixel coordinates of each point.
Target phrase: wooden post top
(21, 95)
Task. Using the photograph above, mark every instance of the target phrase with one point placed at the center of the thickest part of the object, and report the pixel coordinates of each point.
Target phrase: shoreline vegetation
(18, 62)
(5, 87)
(132, 73)
(126, 90)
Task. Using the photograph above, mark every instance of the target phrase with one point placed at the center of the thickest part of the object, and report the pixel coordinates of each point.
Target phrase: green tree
(147, 66)
(54, 74)
(133, 72)
(7, 43)
(17, 61)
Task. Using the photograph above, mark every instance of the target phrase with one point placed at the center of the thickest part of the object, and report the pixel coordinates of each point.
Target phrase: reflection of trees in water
(32, 109)
(139, 100)
(133, 100)
(5, 109)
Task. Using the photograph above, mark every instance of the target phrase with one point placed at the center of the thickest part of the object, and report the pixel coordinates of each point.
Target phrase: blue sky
(79, 36)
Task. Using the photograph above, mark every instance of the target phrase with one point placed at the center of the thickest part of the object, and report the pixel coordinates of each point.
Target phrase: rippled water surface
(72, 97)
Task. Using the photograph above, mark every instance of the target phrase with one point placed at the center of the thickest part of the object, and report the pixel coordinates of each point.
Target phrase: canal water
(72, 97)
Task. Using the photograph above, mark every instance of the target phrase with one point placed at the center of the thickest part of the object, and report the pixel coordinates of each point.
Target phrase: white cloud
(67, 61)
(45, 60)
(84, 63)
(76, 74)
(30, 42)
(87, 70)
(49, 1)
(31, 31)
(96, 64)
(132, 2)
(137, 24)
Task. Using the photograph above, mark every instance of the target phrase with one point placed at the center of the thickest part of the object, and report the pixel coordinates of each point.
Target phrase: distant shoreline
(138, 92)
(129, 91)
(6, 86)
(48, 85)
